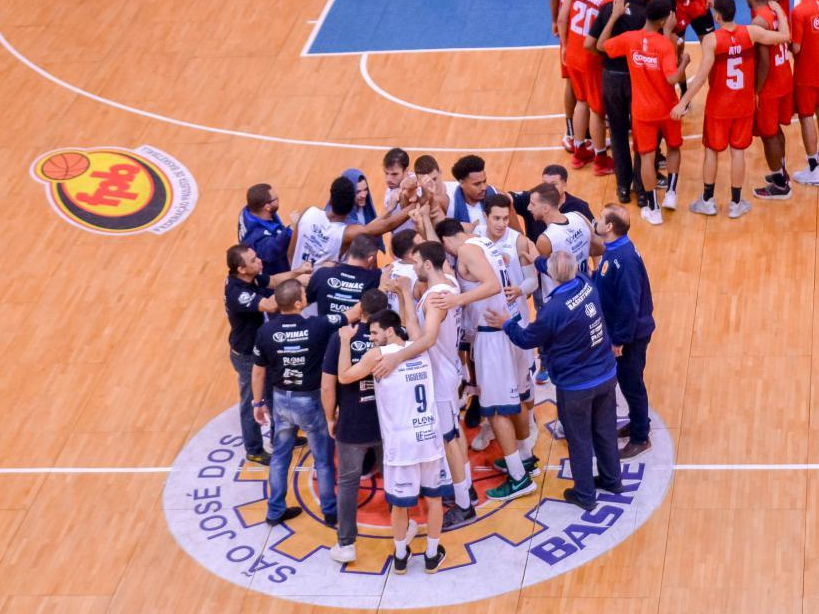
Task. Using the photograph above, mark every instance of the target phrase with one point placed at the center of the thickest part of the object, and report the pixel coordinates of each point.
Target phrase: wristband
(261, 403)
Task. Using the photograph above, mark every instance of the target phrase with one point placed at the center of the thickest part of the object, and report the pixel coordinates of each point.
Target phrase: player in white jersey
(518, 253)
(321, 236)
(411, 437)
(401, 245)
(482, 275)
(438, 332)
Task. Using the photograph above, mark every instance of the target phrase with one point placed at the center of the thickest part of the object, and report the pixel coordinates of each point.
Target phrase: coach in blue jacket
(570, 327)
(261, 229)
(625, 294)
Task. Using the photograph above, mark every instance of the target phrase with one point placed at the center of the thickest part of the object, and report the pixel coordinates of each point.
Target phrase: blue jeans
(251, 431)
(293, 411)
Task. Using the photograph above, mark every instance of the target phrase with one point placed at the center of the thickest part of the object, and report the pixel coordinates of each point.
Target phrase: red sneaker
(581, 157)
(603, 165)
(568, 143)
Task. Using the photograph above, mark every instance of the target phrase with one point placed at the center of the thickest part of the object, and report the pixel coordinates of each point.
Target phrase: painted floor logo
(215, 505)
(110, 190)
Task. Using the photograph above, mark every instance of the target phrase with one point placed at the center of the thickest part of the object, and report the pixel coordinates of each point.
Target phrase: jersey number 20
(583, 18)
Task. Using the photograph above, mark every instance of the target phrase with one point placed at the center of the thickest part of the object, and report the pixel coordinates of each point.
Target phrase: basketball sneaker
(473, 496)
(530, 465)
(343, 554)
(512, 489)
(484, 438)
(773, 192)
(652, 216)
(807, 176)
(568, 143)
(399, 565)
(433, 564)
(583, 156)
(706, 207)
(670, 201)
(456, 517)
(603, 165)
(739, 209)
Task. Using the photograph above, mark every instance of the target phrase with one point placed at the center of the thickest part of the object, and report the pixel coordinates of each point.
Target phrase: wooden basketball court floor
(114, 349)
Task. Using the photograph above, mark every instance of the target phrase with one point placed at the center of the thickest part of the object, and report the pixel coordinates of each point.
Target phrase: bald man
(625, 295)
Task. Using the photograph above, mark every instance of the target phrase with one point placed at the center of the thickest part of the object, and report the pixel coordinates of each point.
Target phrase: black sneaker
(472, 417)
(570, 494)
(623, 195)
(300, 441)
(330, 520)
(616, 488)
(770, 177)
(399, 566)
(290, 512)
(456, 517)
(774, 192)
(473, 496)
(642, 200)
(431, 565)
(661, 160)
(263, 458)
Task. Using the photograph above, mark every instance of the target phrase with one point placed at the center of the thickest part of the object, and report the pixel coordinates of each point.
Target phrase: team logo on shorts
(215, 505)
(110, 190)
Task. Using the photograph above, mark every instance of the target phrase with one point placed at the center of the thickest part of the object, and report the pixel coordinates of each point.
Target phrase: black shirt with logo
(633, 19)
(242, 306)
(338, 288)
(357, 413)
(292, 348)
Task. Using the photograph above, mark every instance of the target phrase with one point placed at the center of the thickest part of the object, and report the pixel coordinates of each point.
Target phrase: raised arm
(347, 371)
(471, 257)
(782, 34)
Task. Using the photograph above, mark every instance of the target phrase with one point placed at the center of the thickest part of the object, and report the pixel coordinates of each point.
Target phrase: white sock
(578, 144)
(461, 494)
(468, 474)
(432, 547)
(400, 548)
(514, 465)
(524, 449)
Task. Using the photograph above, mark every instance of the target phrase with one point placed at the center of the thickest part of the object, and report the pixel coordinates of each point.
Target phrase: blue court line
(382, 26)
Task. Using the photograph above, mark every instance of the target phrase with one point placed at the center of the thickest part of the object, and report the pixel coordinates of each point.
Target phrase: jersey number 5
(736, 78)
(583, 18)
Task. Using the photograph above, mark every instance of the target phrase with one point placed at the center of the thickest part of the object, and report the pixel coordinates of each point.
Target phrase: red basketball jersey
(581, 16)
(805, 23)
(731, 82)
(780, 78)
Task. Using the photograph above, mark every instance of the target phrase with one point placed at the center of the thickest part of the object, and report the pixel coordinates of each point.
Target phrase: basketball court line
(136, 470)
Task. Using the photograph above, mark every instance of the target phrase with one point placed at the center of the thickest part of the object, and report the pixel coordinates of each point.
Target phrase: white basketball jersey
(319, 239)
(446, 365)
(409, 430)
(474, 312)
(400, 269)
(508, 245)
(574, 237)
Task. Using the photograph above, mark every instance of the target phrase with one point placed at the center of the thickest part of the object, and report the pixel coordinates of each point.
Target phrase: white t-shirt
(410, 433)
(319, 239)
(573, 236)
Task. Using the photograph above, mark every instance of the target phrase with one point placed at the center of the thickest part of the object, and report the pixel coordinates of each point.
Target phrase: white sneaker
(652, 216)
(343, 554)
(412, 531)
(706, 207)
(484, 438)
(807, 176)
(670, 201)
(739, 209)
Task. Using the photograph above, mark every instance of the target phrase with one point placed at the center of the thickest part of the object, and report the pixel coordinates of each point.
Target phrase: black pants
(589, 419)
(630, 367)
(617, 101)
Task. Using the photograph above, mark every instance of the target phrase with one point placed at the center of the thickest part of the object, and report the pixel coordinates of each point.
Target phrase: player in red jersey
(774, 88)
(728, 64)
(586, 75)
(652, 65)
(569, 100)
(805, 48)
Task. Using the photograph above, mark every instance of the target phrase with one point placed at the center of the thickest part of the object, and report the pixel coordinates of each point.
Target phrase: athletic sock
(651, 199)
(570, 127)
(400, 548)
(524, 449)
(672, 181)
(708, 191)
(813, 162)
(514, 465)
(468, 474)
(784, 167)
(461, 494)
(599, 153)
(432, 547)
(736, 194)
(779, 178)
(578, 145)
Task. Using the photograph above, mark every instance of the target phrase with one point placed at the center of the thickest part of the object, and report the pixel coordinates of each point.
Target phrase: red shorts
(770, 113)
(806, 98)
(719, 132)
(647, 133)
(588, 87)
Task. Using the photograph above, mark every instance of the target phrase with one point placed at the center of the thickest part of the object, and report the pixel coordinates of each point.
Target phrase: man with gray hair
(570, 327)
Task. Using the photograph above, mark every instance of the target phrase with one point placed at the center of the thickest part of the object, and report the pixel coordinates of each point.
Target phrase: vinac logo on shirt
(111, 190)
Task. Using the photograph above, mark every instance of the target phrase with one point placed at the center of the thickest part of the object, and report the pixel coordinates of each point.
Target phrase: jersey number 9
(421, 398)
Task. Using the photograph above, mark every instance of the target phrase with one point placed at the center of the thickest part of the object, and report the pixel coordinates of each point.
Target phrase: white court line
(82, 470)
(318, 23)
(365, 74)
